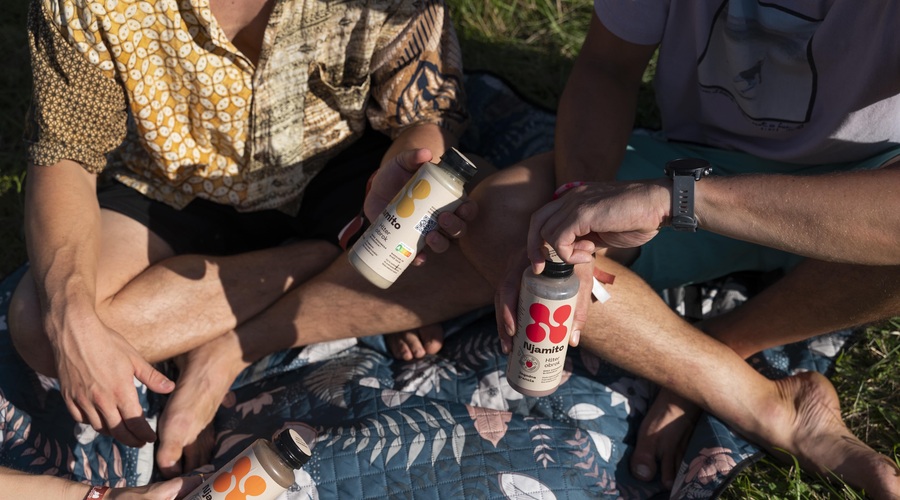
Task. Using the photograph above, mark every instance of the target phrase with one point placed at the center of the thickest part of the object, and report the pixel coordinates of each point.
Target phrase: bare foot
(185, 433)
(808, 425)
(416, 343)
(663, 436)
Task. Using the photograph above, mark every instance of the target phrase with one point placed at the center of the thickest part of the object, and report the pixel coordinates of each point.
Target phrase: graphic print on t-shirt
(759, 56)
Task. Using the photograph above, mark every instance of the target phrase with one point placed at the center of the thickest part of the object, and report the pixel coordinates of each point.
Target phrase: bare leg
(638, 331)
(337, 303)
(816, 298)
(165, 305)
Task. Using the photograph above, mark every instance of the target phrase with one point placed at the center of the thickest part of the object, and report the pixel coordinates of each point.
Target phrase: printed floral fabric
(199, 119)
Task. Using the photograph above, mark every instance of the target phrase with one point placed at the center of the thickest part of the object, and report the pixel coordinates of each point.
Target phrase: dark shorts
(330, 201)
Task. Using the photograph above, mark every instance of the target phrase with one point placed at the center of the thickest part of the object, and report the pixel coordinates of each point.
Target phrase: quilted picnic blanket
(445, 427)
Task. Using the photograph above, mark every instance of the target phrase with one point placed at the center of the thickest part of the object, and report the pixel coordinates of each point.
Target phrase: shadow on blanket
(445, 427)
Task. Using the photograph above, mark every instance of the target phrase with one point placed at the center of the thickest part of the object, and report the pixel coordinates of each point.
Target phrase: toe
(643, 459)
(431, 338)
(396, 343)
(199, 453)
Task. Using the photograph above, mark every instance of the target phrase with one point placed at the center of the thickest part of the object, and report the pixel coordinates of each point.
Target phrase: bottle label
(541, 341)
(242, 477)
(391, 243)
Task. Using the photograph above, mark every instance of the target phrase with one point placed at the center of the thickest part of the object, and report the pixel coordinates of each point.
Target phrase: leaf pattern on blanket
(521, 486)
(330, 381)
(490, 424)
(423, 377)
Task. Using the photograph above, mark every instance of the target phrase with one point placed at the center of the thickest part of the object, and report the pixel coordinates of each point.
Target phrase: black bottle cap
(292, 448)
(459, 163)
(554, 266)
(554, 269)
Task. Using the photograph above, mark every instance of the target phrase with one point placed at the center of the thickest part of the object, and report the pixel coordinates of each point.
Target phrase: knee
(25, 328)
(507, 198)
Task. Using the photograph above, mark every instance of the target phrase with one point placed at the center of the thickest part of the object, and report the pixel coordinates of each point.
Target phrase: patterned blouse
(187, 115)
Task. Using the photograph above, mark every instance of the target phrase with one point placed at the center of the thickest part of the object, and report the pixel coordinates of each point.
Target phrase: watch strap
(683, 203)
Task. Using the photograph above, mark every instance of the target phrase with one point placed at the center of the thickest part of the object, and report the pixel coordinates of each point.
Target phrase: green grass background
(531, 43)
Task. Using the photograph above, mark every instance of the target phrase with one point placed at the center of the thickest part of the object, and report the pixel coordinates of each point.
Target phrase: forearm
(847, 217)
(18, 484)
(597, 108)
(62, 225)
(594, 121)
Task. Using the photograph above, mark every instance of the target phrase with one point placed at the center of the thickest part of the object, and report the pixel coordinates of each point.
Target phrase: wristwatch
(684, 173)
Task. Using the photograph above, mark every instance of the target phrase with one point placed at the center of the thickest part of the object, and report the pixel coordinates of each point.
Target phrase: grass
(532, 44)
(15, 91)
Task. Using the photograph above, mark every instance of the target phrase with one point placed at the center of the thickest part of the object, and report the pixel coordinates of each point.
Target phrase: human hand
(598, 214)
(392, 177)
(96, 368)
(506, 300)
(178, 487)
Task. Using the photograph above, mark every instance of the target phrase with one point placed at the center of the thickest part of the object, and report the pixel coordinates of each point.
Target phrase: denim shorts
(677, 258)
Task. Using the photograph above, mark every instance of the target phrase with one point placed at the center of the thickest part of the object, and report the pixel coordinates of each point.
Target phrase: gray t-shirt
(809, 82)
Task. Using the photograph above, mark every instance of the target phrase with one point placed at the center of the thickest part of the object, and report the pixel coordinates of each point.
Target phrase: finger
(437, 242)
(505, 302)
(582, 252)
(467, 211)
(451, 225)
(505, 321)
(133, 419)
(583, 301)
(118, 429)
(554, 231)
(535, 241)
(75, 411)
(91, 416)
(184, 485)
(151, 377)
(411, 159)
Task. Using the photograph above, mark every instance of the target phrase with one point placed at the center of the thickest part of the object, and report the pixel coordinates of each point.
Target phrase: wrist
(684, 174)
(58, 321)
(661, 193)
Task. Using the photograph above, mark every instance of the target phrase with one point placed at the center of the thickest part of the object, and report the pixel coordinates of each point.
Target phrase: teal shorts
(676, 258)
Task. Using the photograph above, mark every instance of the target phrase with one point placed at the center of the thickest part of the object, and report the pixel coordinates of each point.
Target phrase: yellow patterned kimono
(188, 115)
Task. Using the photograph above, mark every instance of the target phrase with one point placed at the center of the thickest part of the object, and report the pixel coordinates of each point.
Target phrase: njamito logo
(407, 204)
(539, 329)
(252, 486)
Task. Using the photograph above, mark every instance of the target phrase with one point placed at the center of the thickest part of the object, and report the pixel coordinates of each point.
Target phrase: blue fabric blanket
(445, 427)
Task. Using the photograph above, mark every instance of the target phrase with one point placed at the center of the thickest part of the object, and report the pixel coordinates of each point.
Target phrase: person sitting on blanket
(634, 329)
(240, 138)
(796, 107)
